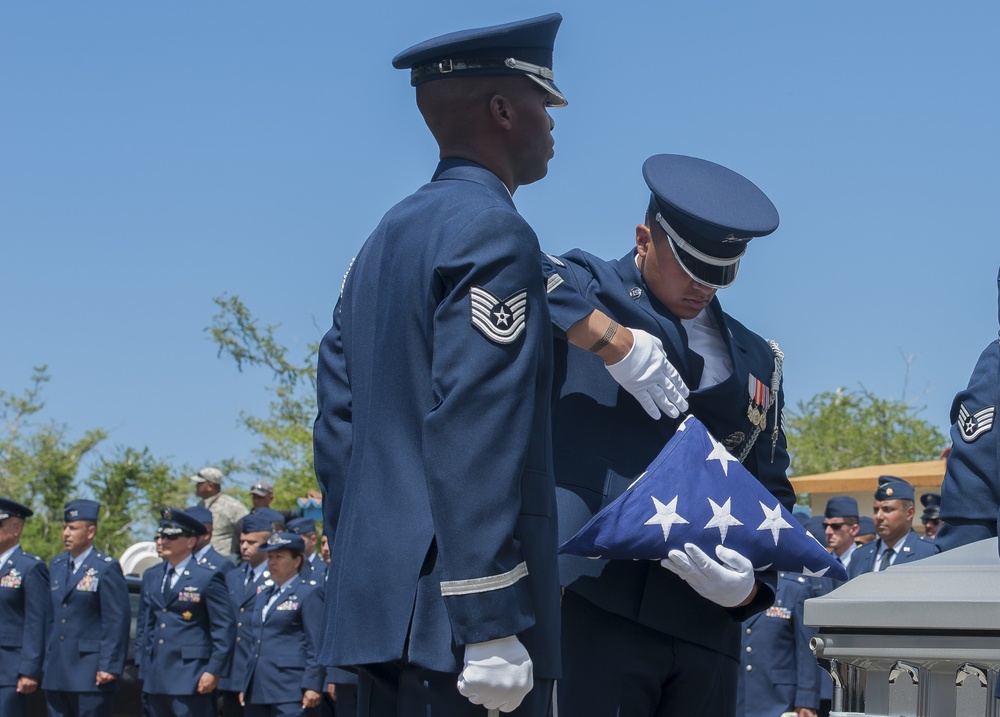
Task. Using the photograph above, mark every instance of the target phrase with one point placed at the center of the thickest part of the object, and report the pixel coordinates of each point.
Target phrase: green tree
(131, 487)
(284, 454)
(843, 429)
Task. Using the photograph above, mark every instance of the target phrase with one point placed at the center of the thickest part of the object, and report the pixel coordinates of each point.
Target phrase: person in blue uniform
(204, 553)
(970, 492)
(779, 673)
(282, 677)
(243, 585)
(432, 441)
(305, 528)
(897, 541)
(644, 638)
(931, 517)
(185, 625)
(89, 626)
(24, 612)
(841, 524)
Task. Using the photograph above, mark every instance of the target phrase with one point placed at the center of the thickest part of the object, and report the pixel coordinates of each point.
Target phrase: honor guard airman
(244, 584)
(639, 639)
(185, 626)
(897, 541)
(434, 393)
(91, 612)
(24, 612)
(282, 675)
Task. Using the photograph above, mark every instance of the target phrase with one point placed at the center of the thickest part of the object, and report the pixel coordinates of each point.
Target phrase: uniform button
(237, 639)
(241, 609)
(63, 621)
(749, 667)
(164, 610)
(749, 649)
(163, 624)
(748, 630)
(161, 642)
(64, 604)
(62, 637)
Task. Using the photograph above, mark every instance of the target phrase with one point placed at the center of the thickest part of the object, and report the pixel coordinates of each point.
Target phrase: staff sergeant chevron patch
(972, 425)
(500, 320)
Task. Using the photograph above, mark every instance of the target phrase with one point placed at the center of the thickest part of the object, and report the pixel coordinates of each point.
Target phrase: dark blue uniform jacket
(604, 440)
(89, 630)
(24, 612)
(915, 547)
(433, 443)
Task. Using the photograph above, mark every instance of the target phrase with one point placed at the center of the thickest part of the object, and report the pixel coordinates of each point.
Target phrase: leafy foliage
(284, 454)
(840, 429)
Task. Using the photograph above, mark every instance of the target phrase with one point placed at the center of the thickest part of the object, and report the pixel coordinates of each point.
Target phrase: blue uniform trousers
(156, 705)
(11, 703)
(398, 690)
(80, 704)
(623, 669)
(284, 709)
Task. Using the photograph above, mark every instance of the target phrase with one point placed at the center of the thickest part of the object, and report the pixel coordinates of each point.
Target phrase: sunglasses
(834, 526)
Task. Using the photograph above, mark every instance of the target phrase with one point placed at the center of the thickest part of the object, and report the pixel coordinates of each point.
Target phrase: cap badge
(888, 491)
(168, 514)
(187, 614)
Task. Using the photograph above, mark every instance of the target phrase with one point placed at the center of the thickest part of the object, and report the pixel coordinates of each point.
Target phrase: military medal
(760, 400)
(11, 579)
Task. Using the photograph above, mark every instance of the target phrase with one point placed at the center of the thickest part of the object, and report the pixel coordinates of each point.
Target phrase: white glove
(728, 584)
(497, 674)
(646, 373)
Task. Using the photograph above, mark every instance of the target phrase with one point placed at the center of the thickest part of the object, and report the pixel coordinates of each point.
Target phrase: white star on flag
(773, 520)
(723, 518)
(810, 574)
(666, 516)
(720, 454)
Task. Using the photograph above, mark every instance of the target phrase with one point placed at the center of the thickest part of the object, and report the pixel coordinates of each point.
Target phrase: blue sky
(155, 155)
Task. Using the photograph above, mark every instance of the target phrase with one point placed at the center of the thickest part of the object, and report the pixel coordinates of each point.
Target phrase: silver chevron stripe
(972, 426)
(501, 321)
(483, 585)
(554, 281)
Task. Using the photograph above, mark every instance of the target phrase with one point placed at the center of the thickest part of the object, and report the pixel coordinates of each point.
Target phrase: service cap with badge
(283, 541)
(81, 509)
(893, 488)
(175, 522)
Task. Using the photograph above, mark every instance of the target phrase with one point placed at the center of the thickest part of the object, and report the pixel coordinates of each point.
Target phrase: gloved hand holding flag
(696, 492)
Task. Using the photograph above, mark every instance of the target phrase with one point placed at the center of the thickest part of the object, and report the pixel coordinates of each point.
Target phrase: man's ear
(501, 111)
(643, 238)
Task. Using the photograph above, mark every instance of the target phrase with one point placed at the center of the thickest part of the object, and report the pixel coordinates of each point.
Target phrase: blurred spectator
(840, 525)
(779, 672)
(866, 531)
(204, 553)
(226, 510)
(931, 517)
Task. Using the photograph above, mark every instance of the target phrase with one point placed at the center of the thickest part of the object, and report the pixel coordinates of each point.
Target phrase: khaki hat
(208, 475)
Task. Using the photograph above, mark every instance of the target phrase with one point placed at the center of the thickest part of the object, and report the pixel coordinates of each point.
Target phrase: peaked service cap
(708, 212)
(515, 48)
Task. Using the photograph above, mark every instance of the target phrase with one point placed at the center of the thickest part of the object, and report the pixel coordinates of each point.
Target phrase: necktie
(71, 567)
(248, 574)
(886, 559)
(167, 580)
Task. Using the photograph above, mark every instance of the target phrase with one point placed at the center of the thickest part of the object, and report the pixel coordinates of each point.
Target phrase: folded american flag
(695, 491)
